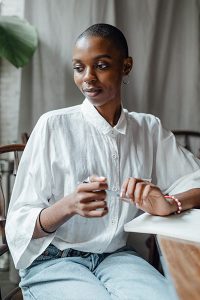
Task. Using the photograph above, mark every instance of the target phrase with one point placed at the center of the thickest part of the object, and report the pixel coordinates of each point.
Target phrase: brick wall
(10, 81)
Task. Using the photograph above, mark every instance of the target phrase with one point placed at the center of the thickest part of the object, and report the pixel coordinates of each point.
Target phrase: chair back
(9, 161)
(189, 140)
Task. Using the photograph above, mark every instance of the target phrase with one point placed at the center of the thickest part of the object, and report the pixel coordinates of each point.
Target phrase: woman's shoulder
(61, 112)
(57, 116)
(143, 119)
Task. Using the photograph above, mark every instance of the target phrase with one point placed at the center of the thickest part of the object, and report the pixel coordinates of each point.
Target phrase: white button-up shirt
(68, 145)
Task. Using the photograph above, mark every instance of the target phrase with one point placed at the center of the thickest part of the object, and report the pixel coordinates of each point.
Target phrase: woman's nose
(89, 75)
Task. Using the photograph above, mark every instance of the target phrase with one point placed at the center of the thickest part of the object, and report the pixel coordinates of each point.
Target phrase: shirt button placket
(112, 163)
(115, 158)
(115, 184)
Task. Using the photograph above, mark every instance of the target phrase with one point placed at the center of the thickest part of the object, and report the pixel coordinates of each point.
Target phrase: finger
(97, 213)
(92, 186)
(89, 206)
(85, 197)
(128, 186)
(124, 188)
(146, 191)
(130, 193)
(96, 178)
(139, 188)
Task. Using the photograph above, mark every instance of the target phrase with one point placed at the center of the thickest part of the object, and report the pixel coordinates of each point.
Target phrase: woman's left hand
(147, 196)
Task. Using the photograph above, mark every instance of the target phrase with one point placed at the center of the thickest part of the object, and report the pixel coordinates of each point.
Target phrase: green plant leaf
(18, 40)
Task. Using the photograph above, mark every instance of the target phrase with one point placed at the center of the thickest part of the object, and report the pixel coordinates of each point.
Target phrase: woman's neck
(110, 113)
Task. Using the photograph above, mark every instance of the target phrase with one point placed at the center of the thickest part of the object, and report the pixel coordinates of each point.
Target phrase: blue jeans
(77, 275)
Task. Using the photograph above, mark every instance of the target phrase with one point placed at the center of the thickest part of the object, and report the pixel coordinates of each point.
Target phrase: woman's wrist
(66, 208)
(67, 204)
(52, 217)
(189, 199)
(41, 224)
(175, 203)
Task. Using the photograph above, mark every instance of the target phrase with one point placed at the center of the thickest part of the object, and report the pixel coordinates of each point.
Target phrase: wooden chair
(24, 137)
(189, 139)
(11, 168)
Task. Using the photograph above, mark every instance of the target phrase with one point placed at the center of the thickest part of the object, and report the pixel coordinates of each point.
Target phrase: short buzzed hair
(109, 32)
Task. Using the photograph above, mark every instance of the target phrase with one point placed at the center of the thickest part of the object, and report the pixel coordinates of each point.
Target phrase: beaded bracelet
(177, 202)
(41, 226)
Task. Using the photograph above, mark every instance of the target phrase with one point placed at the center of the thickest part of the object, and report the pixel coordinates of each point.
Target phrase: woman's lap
(62, 279)
(121, 275)
(128, 276)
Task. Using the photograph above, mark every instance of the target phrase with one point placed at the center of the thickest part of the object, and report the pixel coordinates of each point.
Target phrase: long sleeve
(175, 169)
(32, 191)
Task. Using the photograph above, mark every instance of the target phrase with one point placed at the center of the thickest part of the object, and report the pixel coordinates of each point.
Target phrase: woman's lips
(93, 92)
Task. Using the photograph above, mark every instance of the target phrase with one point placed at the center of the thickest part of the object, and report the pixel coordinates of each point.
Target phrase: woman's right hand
(88, 200)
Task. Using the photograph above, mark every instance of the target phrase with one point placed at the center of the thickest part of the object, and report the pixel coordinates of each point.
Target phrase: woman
(71, 243)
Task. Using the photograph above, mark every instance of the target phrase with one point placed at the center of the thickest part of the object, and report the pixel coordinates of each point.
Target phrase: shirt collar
(92, 115)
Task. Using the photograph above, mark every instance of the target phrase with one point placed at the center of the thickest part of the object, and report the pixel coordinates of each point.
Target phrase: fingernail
(102, 177)
(122, 193)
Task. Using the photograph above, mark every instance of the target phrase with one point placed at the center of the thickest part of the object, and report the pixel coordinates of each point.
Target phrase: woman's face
(98, 70)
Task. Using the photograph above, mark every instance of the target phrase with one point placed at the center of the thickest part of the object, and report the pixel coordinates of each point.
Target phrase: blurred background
(163, 38)
(164, 41)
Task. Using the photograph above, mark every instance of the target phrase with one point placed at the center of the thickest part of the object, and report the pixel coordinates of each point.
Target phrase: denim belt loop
(62, 253)
(85, 254)
(65, 253)
(71, 252)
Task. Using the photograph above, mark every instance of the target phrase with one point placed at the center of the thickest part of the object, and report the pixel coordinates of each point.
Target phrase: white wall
(10, 81)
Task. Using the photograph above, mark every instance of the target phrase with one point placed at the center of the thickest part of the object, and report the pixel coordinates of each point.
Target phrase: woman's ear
(128, 64)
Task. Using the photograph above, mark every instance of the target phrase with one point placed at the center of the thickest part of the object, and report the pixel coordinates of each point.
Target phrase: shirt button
(115, 188)
(113, 221)
(114, 155)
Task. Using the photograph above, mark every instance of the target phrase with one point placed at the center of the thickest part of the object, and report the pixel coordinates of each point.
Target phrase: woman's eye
(102, 66)
(78, 69)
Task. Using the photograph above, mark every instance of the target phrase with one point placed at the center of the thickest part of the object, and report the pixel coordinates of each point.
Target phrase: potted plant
(18, 40)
